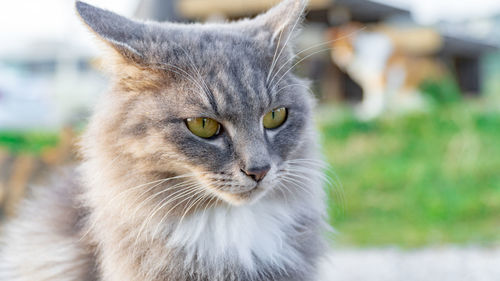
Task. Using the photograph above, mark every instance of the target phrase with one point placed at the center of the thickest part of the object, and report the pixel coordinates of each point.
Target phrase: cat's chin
(243, 198)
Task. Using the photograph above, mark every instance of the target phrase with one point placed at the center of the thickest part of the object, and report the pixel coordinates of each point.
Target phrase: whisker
(318, 164)
(175, 186)
(297, 184)
(294, 65)
(290, 33)
(110, 202)
(308, 170)
(188, 190)
(196, 193)
(283, 192)
(193, 66)
(194, 203)
(290, 85)
(273, 62)
(208, 204)
(184, 73)
(333, 185)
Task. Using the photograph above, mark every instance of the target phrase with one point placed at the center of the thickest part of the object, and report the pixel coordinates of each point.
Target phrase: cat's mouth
(236, 193)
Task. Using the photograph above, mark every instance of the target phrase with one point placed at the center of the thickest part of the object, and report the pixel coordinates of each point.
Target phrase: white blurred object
(444, 264)
(372, 50)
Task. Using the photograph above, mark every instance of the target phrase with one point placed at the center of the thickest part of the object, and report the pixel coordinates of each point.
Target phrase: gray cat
(200, 163)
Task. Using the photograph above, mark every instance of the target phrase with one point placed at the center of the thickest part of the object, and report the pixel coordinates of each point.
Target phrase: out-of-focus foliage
(417, 179)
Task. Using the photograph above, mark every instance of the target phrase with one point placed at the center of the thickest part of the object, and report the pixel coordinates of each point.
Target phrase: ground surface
(429, 264)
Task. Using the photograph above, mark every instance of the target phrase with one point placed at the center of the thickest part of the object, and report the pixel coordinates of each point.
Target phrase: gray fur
(122, 225)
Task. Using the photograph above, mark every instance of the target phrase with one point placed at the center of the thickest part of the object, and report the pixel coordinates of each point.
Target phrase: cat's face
(216, 101)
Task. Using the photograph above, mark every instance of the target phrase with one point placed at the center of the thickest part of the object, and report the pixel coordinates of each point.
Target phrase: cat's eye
(203, 127)
(275, 118)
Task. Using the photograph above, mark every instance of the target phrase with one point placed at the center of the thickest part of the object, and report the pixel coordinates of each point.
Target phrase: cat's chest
(246, 237)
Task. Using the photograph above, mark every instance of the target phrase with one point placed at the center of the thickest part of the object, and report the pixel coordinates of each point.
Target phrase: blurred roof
(159, 10)
(459, 35)
(201, 9)
(369, 11)
(434, 11)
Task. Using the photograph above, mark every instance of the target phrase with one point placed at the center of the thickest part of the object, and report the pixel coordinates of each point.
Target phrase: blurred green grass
(27, 142)
(419, 179)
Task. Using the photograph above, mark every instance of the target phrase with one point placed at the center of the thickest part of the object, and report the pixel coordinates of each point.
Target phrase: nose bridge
(252, 149)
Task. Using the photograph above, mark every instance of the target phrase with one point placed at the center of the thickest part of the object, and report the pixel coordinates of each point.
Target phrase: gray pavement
(389, 264)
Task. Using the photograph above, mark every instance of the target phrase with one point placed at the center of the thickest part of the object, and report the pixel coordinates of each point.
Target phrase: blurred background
(409, 111)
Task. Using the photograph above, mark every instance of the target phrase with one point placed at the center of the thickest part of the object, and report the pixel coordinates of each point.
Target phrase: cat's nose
(257, 173)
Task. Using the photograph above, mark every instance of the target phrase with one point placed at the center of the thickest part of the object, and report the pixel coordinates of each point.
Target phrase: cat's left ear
(282, 21)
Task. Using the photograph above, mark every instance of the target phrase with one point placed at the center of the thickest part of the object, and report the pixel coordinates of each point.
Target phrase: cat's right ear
(123, 35)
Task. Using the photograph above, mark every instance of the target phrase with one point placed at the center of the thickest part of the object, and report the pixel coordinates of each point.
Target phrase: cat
(200, 163)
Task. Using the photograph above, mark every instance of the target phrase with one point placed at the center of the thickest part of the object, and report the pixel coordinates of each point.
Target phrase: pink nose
(257, 174)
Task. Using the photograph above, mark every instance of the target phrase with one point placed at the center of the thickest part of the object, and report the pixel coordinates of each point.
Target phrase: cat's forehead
(226, 71)
(211, 46)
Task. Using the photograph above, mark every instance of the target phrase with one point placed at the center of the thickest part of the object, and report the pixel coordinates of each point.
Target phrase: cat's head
(217, 102)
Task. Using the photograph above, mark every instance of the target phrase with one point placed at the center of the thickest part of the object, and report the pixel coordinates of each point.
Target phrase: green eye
(275, 118)
(203, 127)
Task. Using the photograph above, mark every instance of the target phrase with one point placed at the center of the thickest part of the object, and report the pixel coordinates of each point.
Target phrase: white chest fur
(241, 234)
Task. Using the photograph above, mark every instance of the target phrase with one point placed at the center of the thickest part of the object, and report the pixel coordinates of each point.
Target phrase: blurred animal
(388, 63)
(201, 163)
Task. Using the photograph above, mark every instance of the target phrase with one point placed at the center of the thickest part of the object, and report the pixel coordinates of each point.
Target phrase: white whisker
(301, 168)
(193, 66)
(290, 33)
(187, 190)
(297, 184)
(184, 73)
(191, 205)
(273, 62)
(169, 188)
(197, 191)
